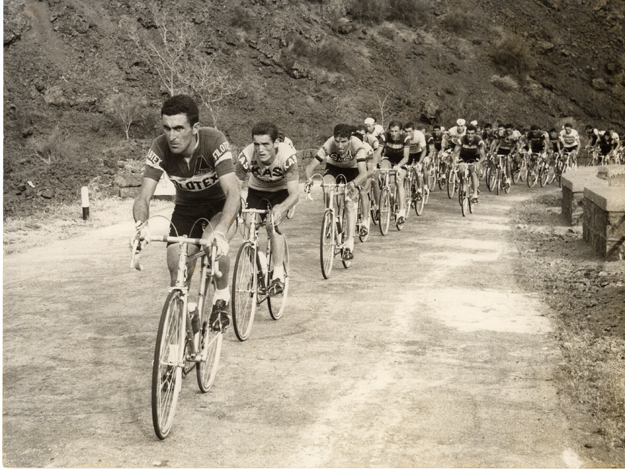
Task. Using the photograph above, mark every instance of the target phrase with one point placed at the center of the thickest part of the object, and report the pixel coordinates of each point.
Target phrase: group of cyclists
(208, 177)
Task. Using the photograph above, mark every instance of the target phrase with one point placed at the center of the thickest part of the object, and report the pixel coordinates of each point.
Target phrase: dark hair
(342, 131)
(568, 124)
(551, 130)
(488, 126)
(588, 127)
(508, 126)
(395, 124)
(410, 124)
(266, 128)
(181, 104)
(360, 128)
(471, 127)
(436, 127)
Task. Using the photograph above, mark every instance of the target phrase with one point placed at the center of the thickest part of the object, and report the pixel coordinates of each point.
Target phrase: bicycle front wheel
(277, 303)
(244, 291)
(451, 184)
(532, 177)
(168, 363)
(385, 210)
(408, 195)
(326, 246)
(210, 346)
(543, 174)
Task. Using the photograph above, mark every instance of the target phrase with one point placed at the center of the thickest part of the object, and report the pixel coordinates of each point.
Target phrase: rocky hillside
(72, 66)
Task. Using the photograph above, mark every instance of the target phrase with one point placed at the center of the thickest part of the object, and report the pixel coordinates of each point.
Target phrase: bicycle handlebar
(135, 257)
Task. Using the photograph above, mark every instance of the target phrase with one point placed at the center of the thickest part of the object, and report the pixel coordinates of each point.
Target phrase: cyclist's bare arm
(281, 209)
(141, 207)
(311, 168)
(362, 174)
(405, 158)
(229, 184)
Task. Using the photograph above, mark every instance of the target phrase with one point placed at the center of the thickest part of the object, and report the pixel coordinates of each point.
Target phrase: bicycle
(333, 232)
(533, 170)
(452, 179)
(441, 168)
(545, 171)
(388, 200)
(184, 341)
(519, 170)
(466, 185)
(497, 176)
(253, 271)
(413, 197)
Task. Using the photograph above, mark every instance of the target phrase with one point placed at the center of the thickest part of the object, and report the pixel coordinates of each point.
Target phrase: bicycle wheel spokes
(326, 244)
(385, 210)
(168, 362)
(244, 291)
(277, 303)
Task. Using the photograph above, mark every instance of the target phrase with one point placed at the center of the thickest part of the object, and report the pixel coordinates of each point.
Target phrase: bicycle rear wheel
(210, 346)
(168, 363)
(464, 202)
(431, 177)
(244, 291)
(385, 210)
(326, 245)
(277, 303)
(419, 202)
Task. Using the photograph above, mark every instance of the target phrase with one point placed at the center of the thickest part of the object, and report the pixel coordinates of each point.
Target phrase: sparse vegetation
(458, 21)
(506, 83)
(412, 13)
(125, 109)
(368, 11)
(242, 18)
(328, 55)
(512, 56)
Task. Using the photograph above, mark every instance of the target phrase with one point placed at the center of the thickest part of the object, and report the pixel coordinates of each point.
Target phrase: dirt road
(423, 353)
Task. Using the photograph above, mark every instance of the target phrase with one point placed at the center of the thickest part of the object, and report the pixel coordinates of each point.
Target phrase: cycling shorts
(334, 171)
(605, 149)
(504, 151)
(184, 217)
(469, 158)
(414, 158)
(570, 149)
(259, 199)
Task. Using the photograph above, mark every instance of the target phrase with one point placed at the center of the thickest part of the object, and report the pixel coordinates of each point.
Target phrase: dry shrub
(511, 56)
(388, 32)
(506, 83)
(331, 57)
(412, 13)
(368, 11)
(243, 18)
(458, 21)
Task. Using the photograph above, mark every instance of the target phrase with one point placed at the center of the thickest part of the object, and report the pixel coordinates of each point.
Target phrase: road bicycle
(519, 168)
(465, 187)
(593, 156)
(388, 202)
(253, 272)
(533, 170)
(333, 225)
(441, 168)
(497, 179)
(563, 164)
(452, 179)
(414, 198)
(545, 171)
(185, 339)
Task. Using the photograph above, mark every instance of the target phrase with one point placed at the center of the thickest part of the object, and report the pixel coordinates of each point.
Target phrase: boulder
(599, 84)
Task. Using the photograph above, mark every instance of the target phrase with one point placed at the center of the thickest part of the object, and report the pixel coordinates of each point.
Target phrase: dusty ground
(426, 352)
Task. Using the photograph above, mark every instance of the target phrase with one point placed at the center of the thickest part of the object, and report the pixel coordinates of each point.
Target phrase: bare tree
(208, 82)
(125, 109)
(383, 108)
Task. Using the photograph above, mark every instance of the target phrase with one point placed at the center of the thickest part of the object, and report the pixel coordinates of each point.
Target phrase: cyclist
(199, 163)
(608, 143)
(395, 154)
(592, 135)
(373, 150)
(470, 149)
(570, 142)
(488, 135)
(417, 154)
(344, 155)
(506, 146)
(284, 139)
(537, 141)
(456, 133)
(373, 128)
(274, 180)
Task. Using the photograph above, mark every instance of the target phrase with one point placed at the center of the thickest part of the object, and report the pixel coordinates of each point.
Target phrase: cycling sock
(222, 295)
(278, 272)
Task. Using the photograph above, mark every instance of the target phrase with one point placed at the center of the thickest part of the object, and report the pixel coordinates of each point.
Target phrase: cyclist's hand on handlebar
(142, 234)
(307, 188)
(276, 215)
(397, 168)
(219, 240)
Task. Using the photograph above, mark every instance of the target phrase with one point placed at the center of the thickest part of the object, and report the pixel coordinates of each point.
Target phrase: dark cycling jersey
(437, 141)
(537, 140)
(470, 148)
(607, 143)
(197, 181)
(394, 149)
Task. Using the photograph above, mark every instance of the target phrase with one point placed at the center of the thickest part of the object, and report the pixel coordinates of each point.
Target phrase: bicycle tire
(210, 345)
(464, 202)
(523, 171)
(372, 205)
(385, 210)
(497, 181)
(451, 184)
(543, 174)
(326, 244)
(244, 290)
(532, 178)
(168, 362)
(431, 178)
(407, 196)
(420, 203)
(441, 181)
(276, 304)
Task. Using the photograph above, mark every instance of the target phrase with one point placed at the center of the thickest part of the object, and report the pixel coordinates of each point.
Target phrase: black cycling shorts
(570, 149)
(263, 200)
(334, 171)
(183, 220)
(504, 151)
(413, 158)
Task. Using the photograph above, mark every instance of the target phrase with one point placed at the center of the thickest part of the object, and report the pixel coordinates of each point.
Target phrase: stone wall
(604, 221)
(573, 184)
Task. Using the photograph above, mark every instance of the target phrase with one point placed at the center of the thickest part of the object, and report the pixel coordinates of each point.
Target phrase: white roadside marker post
(84, 193)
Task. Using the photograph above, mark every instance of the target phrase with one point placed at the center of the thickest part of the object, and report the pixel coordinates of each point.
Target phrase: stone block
(614, 174)
(573, 184)
(604, 221)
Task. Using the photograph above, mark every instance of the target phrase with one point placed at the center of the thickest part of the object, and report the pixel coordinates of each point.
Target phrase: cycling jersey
(470, 148)
(455, 135)
(272, 177)
(507, 142)
(394, 149)
(417, 141)
(197, 181)
(537, 140)
(436, 140)
(608, 142)
(569, 140)
(593, 137)
(555, 145)
(353, 154)
(377, 131)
